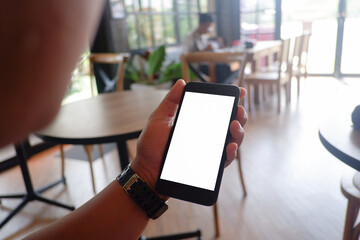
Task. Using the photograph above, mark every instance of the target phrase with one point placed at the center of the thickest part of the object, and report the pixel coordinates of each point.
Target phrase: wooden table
(340, 138)
(262, 49)
(111, 117)
(269, 51)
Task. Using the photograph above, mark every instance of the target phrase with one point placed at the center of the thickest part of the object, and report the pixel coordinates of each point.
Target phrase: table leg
(30, 194)
(176, 236)
(14, 212)
(256, 93)
(123, 153)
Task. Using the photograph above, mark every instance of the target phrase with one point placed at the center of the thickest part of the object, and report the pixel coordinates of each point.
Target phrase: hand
(153, 139)
(221, 42)
(209, 47)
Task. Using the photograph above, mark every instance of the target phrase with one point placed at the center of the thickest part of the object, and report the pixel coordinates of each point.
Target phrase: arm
(39, 45)
(111, 214)
(203, 45)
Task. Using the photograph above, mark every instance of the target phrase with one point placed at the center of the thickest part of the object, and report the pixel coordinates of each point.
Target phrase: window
(257, 18)
(156, 22)
(320, 17)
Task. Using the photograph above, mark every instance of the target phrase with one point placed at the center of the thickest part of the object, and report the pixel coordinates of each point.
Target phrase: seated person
(198, 40)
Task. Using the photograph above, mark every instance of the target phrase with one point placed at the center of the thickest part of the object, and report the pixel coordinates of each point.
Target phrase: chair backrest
(215, 57)
(285, 64)
(201, 76)
(295, 59)
(110, 58)
(304, 48)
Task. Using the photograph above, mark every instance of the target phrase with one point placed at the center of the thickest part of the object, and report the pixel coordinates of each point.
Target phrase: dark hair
(205, 18)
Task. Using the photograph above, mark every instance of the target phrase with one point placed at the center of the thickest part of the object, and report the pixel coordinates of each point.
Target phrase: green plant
(149, 68)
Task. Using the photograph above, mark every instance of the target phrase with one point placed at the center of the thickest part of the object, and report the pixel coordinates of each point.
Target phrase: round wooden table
(340, 138)
(111, 117)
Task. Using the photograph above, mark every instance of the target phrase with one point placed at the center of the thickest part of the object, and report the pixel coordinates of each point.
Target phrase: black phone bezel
(191, 193)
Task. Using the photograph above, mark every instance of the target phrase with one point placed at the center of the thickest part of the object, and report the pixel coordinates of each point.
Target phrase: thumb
(169, 104)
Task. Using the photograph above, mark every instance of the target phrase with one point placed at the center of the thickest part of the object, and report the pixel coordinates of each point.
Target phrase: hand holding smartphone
(195, 156)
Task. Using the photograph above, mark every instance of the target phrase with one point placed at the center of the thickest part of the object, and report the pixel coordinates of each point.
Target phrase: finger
(241, 115)
(237, 132)
(169, 104)
(231, 152)
(242, 93)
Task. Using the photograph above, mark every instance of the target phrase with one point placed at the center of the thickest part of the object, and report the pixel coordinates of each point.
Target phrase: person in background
(40, 44)
(199, 40)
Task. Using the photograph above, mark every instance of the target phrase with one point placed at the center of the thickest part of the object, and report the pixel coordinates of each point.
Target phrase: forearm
(40, 44)
(111, 214)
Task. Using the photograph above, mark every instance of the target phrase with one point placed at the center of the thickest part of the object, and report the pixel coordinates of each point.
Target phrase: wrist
(149, 176)
(136, 187)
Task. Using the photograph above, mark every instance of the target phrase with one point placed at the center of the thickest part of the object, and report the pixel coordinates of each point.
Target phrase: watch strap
(141, 193)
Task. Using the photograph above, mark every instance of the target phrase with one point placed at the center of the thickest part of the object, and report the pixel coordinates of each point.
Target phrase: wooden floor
(293, 182)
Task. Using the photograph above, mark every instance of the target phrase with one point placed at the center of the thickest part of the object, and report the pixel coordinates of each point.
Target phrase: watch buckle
(127, 186)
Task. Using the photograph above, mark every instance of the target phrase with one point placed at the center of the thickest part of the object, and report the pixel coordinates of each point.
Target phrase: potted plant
(150, 69)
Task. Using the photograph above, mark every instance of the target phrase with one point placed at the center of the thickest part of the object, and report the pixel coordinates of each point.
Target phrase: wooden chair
(103, 58)
(352, 193)
(300, 58)
(110, 58)
(212, 58)
(296, 59)
(304, 52)
(280, 78)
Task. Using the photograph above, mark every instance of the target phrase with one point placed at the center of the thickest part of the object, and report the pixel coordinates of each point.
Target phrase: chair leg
(216, 221)
(271, 89)
(88, 150)
(241, 173)
(278, 89)
(288, 92)
(101, 150)
(131, 145)
(351, 215)
(286, 88)
(264, 92)
(256, 92)
(298, 85)
(62, 153)
(249, 97)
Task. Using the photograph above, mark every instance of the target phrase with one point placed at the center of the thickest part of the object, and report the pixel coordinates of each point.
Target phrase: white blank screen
(197, 143)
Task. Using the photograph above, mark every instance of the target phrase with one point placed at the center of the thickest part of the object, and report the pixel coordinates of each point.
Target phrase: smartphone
(194, 157)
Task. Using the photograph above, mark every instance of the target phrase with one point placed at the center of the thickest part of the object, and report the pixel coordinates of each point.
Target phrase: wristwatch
(141, 193)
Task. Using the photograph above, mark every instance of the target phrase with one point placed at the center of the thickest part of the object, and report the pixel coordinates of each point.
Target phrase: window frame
(258, 11)
(175, 12)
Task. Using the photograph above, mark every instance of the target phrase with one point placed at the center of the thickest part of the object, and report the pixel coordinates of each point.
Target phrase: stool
(350, 187)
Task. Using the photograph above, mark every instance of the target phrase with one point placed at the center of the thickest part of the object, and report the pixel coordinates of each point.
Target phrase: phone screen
(195, 151)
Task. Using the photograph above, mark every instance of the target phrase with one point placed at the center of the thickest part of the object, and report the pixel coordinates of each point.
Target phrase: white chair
(301, 58)
(279, 78)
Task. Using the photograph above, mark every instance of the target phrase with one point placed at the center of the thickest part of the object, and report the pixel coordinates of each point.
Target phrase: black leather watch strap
(141, 193)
